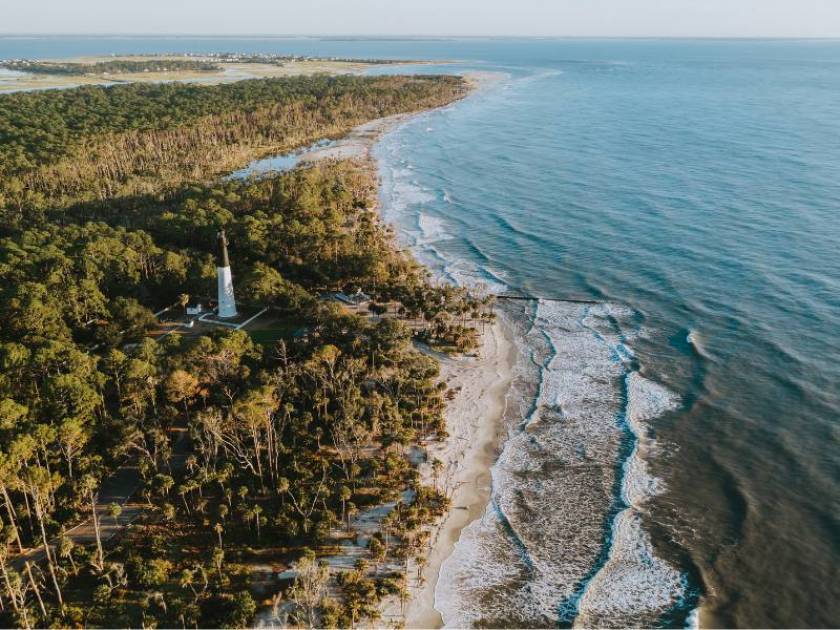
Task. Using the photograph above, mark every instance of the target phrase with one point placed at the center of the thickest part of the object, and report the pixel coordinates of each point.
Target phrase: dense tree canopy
(238, 441)
(109, 67)
(101, 142)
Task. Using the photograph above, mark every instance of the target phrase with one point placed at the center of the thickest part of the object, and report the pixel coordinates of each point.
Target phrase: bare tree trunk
(47, 551)
(36, 589)
(12, 594)
(100, 553)
(24, 613)
(11, 512)
(23, 610)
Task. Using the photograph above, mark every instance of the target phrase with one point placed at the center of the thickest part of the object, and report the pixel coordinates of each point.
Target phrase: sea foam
(538, 554)
(562, 539)
(634, 587)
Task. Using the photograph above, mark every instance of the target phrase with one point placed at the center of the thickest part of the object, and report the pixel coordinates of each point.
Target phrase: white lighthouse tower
(227, 303)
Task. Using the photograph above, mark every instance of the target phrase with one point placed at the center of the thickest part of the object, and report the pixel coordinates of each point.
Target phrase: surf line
(507, 526)
(568, 609)
(571, 609)
(629, 445)
(533, 298)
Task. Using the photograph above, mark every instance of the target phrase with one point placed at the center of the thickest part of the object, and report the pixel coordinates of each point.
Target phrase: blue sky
(635, 18)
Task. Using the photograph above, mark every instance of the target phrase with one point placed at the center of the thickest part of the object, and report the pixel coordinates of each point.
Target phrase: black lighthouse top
(222, 253)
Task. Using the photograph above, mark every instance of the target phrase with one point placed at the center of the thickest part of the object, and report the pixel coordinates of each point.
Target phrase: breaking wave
(562, 540)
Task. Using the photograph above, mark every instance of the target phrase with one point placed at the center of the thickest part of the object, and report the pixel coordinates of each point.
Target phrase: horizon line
(392, 36)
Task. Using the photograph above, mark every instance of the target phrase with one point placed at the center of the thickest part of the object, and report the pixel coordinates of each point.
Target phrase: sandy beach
(474, 421)
(473, 417)
(359, 142)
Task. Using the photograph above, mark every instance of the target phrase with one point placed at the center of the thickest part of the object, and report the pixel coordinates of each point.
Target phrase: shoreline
(474, 417)
(475, 422)
(359, 142)
(12, 81)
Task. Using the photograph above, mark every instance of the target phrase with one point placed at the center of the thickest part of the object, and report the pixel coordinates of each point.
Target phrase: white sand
(473, 417)
(359, 142)
(474, 423)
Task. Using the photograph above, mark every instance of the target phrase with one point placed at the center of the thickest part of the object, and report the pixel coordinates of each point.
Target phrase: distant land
(26, 74)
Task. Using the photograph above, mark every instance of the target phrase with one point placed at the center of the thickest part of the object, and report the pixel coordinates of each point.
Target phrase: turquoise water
(674, 443)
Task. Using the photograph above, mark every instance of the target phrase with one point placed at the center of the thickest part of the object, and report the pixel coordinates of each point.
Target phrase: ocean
(672, 207)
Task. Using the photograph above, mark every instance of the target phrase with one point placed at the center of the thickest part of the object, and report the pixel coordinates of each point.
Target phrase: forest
(245, 450)
(97, 143)
(108, 67)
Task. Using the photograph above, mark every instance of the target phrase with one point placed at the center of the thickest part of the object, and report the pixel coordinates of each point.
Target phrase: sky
(575, 18)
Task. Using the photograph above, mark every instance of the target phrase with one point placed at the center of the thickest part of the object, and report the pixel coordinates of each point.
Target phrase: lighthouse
(227, 303)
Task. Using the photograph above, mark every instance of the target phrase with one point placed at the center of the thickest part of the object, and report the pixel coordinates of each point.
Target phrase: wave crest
(563, 485)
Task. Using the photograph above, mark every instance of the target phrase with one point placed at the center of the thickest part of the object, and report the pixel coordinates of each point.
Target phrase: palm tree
(218, 559)
(157, 598)
(115, 509)
(437, 466)
(257, 511)
(345, 495)
(187, 580)
(65, 549)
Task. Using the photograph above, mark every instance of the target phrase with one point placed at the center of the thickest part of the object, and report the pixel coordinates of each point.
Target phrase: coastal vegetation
(97, 143)
(131, 64)
(229, 57)
(237, 449)
(115, 66)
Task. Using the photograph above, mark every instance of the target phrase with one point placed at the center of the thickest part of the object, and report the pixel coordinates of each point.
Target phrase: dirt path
(120, 489)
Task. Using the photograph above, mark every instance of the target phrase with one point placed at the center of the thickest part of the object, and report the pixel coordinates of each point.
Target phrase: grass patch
(277, 331)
